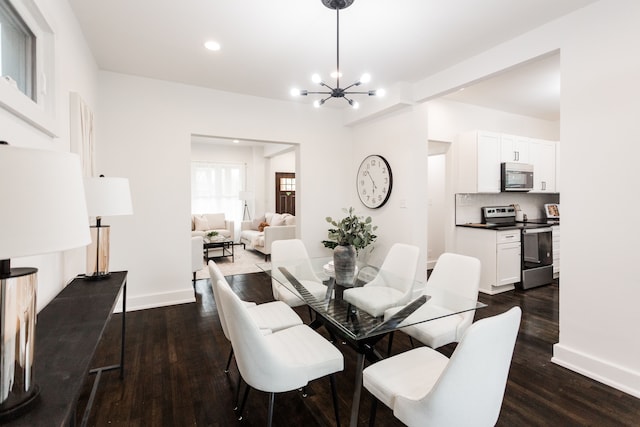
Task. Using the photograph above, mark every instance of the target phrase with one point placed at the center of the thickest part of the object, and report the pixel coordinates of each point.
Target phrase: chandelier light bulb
(212, 45)
(336, 74)
(318, 102)
(381, 92)
(295, 92)
(366, 78)
(316, 78)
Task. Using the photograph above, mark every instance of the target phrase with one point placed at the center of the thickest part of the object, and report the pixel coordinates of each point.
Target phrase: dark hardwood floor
(175, 358)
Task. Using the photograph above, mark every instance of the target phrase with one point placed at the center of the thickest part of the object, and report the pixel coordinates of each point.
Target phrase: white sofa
(278, 227)
(202, 224)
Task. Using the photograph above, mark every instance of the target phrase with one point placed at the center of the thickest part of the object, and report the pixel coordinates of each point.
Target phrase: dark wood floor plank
(176, 356)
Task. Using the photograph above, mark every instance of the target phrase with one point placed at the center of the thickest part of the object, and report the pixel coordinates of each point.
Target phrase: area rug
(245, 261)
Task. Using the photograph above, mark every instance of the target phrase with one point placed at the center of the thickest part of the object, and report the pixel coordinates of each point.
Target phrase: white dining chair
(269, 317)
(392, 286)
(283, 361)
(454, 273)
(424, 387)
(290, 252)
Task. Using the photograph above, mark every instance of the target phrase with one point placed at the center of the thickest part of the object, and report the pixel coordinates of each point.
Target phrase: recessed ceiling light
(212, 45)
(235, 141)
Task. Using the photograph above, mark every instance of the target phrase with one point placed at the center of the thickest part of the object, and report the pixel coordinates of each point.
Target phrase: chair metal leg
(272, 398)
(334, 395)
(304, 391)
(226, 370)
(237, 399)
(390, 343)
(411, 341)
(372, 414)
(244, 401)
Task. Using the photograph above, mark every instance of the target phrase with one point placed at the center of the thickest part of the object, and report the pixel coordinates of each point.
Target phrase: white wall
(436, 186)
(144, 134)
(75, 71)
(401, 138)
(599, 148)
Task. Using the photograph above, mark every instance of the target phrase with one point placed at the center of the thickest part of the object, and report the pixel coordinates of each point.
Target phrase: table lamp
(105, 197)
(43, 211)
(245, 195)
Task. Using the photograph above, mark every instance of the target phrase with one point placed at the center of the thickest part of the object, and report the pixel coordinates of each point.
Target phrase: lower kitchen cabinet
(498, 252)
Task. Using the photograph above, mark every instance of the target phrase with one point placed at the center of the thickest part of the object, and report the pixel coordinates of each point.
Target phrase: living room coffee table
(225, 249)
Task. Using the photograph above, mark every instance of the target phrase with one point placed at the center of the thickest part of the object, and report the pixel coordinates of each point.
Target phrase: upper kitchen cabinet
(481, 152)
(514, 149)
(542, 154)
(479, 162)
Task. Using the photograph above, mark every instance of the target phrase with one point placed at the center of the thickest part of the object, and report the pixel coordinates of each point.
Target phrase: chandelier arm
(319, 93)
(356, 93)
(352, 85)
(326, 85)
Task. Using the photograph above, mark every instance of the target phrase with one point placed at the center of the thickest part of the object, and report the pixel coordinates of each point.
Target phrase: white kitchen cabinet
(555, 244)
(499, 255)
(514, 148)
(542, 155)
(479, 162)
(508, 260)
(481, 152)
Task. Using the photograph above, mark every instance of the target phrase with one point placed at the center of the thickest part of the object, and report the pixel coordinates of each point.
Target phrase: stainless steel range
(536, 241)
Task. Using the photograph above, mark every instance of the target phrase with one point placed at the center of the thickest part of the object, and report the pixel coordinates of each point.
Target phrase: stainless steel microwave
(516, 177)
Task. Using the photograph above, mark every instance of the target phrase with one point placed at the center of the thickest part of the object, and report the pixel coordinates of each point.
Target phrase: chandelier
(337, 92)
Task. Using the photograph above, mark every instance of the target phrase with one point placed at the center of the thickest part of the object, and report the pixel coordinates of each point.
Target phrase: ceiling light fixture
(337, 92)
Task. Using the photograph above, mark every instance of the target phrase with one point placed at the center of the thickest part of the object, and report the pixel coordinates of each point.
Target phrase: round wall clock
(374, 181)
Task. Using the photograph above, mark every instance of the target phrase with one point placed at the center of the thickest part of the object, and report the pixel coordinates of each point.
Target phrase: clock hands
(372, 181)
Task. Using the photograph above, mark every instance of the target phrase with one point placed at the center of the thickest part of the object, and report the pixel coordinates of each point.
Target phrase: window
(287, 184)
(215, 188)
(17, 51)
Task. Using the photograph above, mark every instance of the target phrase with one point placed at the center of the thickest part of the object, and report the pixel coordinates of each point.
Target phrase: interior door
(286, 192)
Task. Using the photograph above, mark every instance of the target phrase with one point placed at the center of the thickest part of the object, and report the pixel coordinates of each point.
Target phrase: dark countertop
(534, 223)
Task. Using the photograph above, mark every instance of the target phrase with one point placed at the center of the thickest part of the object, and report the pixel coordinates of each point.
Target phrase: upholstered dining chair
(458, 274)
(424, 387)
(392, 286)
(288, 251)
(283, 361)
(269, 317)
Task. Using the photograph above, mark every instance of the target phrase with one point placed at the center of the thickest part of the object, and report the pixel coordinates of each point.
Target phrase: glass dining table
(353, 325)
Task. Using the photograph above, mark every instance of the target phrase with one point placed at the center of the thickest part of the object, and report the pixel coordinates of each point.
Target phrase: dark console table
(68, 331)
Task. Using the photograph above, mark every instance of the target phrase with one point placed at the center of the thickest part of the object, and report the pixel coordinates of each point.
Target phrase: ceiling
(270, 47)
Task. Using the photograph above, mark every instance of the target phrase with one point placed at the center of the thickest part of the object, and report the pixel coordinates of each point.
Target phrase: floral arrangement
(351, 230)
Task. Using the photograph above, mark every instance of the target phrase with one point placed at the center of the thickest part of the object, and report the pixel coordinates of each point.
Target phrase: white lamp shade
(43, 206)
(108, 196)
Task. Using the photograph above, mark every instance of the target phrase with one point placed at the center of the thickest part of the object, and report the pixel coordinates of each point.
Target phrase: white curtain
(82, 133)
(215, 188)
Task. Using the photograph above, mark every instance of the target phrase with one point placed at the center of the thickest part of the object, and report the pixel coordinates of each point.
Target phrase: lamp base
(97, 276)
(98, 253)
(20, 407)
(18, 320)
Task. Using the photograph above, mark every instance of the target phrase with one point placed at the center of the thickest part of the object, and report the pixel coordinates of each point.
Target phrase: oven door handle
(537, 230)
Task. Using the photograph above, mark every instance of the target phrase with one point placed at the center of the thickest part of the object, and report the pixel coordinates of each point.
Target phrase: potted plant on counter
(348, 236)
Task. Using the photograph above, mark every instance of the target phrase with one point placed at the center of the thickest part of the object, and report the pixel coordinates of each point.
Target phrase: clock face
(374, 181)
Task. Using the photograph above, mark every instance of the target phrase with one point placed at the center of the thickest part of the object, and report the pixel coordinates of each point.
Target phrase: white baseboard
(600, 370)
(143, 302)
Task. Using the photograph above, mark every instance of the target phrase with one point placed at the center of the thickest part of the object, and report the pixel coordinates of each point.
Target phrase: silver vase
(344, 264)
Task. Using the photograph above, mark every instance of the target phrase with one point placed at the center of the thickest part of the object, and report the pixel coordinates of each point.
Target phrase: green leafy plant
(212, 234)
(351, 230)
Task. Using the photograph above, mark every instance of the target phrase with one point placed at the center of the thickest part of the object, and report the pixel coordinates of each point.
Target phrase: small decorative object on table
(214, 236)
(350, 235)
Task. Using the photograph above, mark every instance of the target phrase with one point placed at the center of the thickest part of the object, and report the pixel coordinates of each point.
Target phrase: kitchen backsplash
(468, 204)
